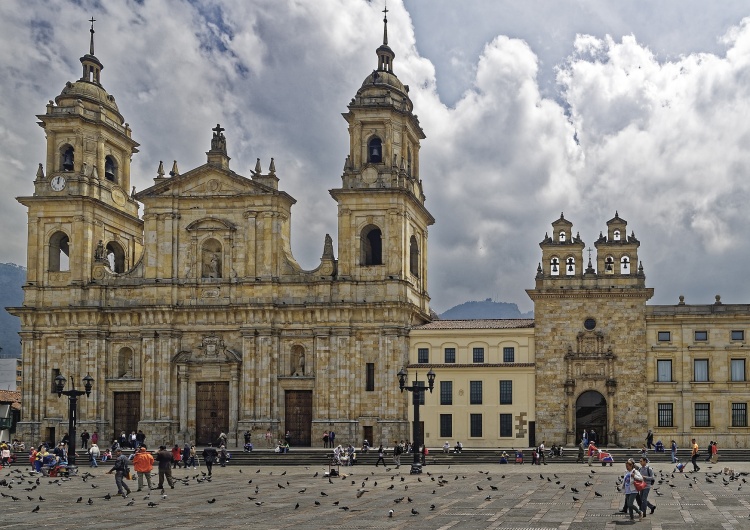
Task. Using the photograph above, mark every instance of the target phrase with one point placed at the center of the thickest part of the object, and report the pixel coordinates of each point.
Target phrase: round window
(589, 324)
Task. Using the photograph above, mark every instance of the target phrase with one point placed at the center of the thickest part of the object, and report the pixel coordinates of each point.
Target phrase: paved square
(494, 496)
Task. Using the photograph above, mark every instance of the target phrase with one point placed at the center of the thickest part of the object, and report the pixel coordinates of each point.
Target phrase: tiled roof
(480, 323)
(10, 396)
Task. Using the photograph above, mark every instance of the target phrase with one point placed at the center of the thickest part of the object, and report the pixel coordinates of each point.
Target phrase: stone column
(183, 378)
(234, 402)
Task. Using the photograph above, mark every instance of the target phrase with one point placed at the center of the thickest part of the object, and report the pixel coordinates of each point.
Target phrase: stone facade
(195, 318)
(590, 338)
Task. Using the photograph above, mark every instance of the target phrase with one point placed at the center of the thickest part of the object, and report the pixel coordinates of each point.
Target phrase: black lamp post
(417, 392)
(73, 410)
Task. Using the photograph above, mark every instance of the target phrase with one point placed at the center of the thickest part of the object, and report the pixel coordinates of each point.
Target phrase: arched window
(570, 265)
(375, 150)
(414, 256)
(371, 246)
(625, 265)
(125, 363)
(616, 235)
(110, 168)
(562, 235)
(59, 252)
(554, 266)
(116, 257)
(211, 256)
(67, 157)
(408, 161)
(609, 265)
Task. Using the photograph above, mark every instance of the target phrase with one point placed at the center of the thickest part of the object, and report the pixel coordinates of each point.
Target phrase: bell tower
(382, 219)
(82, 209)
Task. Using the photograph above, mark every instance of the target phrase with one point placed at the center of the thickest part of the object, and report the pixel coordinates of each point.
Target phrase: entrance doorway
(591, 413)
(298, 416)
(127, 413)
(211, 412)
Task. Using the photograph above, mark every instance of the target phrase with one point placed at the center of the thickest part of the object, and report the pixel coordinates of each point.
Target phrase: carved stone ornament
(211, 350)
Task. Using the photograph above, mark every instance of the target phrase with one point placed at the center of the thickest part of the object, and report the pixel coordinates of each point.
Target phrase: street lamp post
(73, 412)
(417, 392)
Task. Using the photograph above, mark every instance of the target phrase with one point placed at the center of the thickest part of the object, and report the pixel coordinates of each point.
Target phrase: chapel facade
(195, 319)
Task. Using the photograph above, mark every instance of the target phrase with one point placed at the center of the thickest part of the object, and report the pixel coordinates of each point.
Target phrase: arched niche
(414, 256)
(375, 150)
(554, 264)
(371, 246)
(67, 157)
(298, 361)
(211, 252)
(59, 252)
(116, 257)
(125, 362)
(570, 266)
(110, 168)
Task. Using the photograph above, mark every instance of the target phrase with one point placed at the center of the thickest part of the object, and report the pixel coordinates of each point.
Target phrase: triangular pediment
(205, 181)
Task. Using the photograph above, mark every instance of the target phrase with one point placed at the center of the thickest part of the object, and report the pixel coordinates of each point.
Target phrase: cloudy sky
(530, 109)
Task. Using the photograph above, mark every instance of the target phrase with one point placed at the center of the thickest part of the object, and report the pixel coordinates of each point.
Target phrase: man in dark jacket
(164, 458)
(120, 469)
(210, 456)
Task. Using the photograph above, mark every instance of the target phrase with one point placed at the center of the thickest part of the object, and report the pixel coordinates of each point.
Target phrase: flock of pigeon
(390, 490)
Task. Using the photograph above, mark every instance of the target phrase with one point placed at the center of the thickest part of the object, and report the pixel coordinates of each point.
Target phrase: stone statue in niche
(298, 368)
(129, 367)
(212, 266)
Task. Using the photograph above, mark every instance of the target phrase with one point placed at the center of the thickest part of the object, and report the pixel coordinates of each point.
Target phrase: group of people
(637, 485)
(132, 440)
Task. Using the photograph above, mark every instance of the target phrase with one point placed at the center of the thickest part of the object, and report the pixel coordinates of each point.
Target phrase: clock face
(57, 183)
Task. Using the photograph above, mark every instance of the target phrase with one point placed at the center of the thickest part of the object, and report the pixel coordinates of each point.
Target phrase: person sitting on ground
(446, 447)
(365, 446)
(504, 458)
(459, 447)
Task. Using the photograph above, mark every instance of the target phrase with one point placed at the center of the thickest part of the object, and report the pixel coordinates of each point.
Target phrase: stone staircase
(306, 456)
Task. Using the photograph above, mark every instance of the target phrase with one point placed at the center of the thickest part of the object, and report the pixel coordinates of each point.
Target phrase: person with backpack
(121, 471)
(648, 477)
(631, 475)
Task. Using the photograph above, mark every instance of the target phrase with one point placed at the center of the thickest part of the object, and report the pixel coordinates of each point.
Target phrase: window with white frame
(664, 370)
(738, 370)
(700, 370)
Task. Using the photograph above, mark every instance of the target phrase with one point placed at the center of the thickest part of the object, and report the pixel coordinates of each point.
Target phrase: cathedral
(195, 319)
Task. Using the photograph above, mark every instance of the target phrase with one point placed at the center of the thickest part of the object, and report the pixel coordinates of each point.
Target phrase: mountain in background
(12, 278)
(483, 310)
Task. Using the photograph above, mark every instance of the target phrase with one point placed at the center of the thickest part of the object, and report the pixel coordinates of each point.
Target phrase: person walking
(143, 462)
(397, 450)
(164, 458)
(94, 454)
(120, 469)
(650, 439)
(580, 452)
(210, 456)
(176, 456)
(674, 452)
(630, 491)
(541, 453)
(332, 438)
(193, 458)
(585, 438)
(325, 439)
(648, 477)
(224, 455)
(694, 456)
(592, 452)
(381, 454)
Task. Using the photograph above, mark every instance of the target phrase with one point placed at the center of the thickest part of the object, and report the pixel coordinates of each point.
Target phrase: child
(106, 455)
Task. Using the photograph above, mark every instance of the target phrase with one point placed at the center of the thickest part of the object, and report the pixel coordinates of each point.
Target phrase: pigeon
(596, 493)
(345, 508)
(488, 498)
(390, 513)
(323, 494)
(90, 501)
(315, 475)
(575, 499)
(494, 488)
(152, 504)
(296, 506)
(303, 490)
(336, 503)
(480, 488)
(80, 499)
(280, 486)
(317, 503)
(94, 486)
(414, 512)
(574, 490)
(107, 496)
(131, 503)
(211, 501)
(259, 503)
(284, 473)
(35, 509)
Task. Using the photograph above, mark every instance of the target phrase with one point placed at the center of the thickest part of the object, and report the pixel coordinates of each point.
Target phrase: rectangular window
(446, 426)
(423, 355)
(446, 392)
(700, 370)
(701, 336)
(509, 355)
(665, 416)
(506, 392)
(421, 393)
(475, 425)
(478, 355)
(664, 371)
(506, 425)
(702, 414)
(370, 377)
(475, 392)
(738, 369)
(55, 373)
(739, 414)
(738, 334)
(665, 336)
(450, 355)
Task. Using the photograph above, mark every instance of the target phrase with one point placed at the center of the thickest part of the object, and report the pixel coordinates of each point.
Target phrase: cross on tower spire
(385, 24)
(91, 46)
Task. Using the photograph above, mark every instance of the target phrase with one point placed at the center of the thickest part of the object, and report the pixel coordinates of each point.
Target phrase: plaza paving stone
(527, 497)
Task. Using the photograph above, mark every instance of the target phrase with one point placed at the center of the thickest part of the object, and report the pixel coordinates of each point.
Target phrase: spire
(91, 46)
(385, 28)
(91, 66)
(385, 54)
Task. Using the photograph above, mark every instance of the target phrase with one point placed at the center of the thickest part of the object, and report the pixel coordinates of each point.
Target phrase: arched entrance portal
(591, 413)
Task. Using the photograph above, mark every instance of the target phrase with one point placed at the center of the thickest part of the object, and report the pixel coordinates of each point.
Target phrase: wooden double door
(211, 412)
(127, 414)
(298, 416)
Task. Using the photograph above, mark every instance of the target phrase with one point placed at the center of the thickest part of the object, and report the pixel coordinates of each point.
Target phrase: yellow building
(484, 384)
